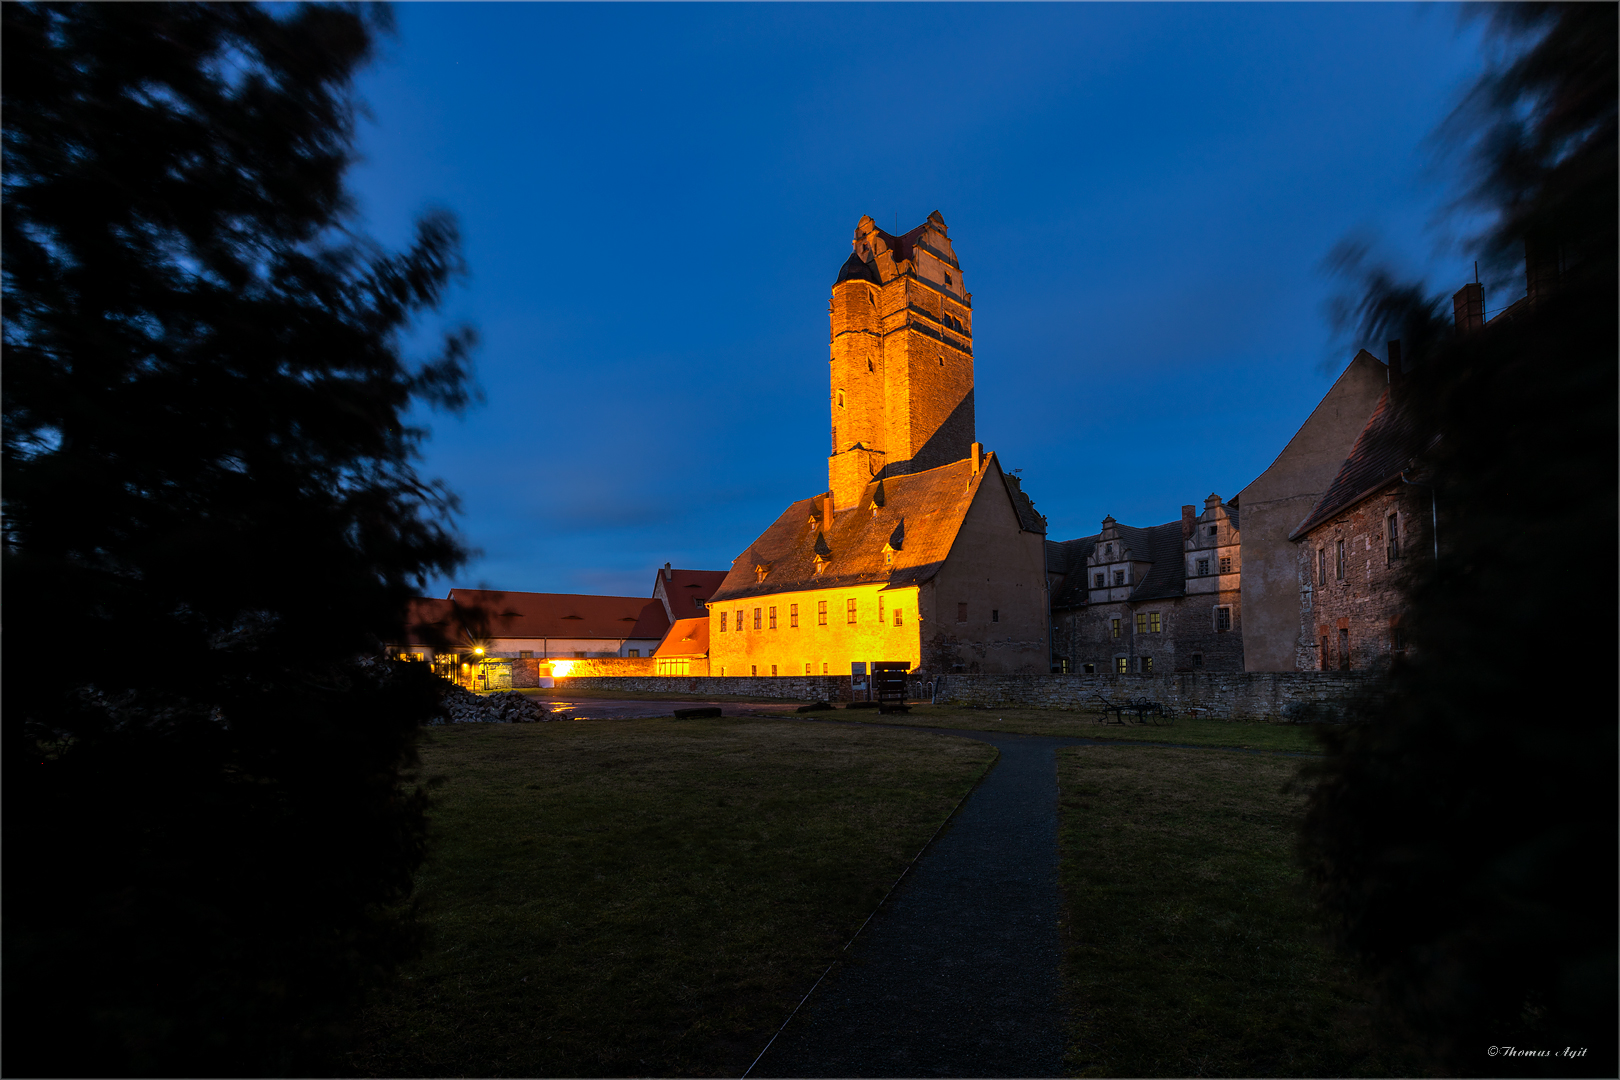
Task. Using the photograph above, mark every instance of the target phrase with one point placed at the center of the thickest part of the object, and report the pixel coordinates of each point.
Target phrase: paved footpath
(957, 975)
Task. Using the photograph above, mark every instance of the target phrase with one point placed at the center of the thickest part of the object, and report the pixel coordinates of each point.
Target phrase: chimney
(1468, 306)
(1395, 372)
(977, 453)
(1189, 521)
(669, 575)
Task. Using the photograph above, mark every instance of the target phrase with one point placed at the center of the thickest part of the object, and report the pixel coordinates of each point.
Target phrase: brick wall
(1230, 695)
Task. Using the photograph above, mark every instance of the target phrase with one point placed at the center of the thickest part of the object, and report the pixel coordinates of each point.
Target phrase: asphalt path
(957, 974)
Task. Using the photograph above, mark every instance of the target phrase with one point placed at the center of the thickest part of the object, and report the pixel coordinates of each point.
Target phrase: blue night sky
(655, 201)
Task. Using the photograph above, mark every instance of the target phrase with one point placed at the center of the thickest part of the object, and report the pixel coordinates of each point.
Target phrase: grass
(1238, 734)
(647, 896)
(1191, 949)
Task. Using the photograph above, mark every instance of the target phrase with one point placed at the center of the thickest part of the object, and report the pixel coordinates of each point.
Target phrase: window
(1113, 625)
(1397, 639)
(739, 623)
(1223, 619)
(1119, 577)
(942, 361)
(849, 610)
(1226, 564)
(1198, 661)
(995, 614)
(1089, 669)
(824, 668)
(1212, 530)
(821, 613)
(753, 669)
(1322, 661)
(1108, 549)
(1141, 622)
(635, 652)
(1203, 567)
(1339, 564)
(758, 621)
(961, 613)
(947, 277)
(722, 622)
(1097, 580)
(579, 654)
(773, 669)
(897, 619)
(1122, 665)
(1146, 665)
(840, 399)
(880, 611)
(1344, 649)
(793, 615)
(1392, 533)
(528, 654)
(1321, 566)
(699, 604)
(1155, 624)
(773, 616)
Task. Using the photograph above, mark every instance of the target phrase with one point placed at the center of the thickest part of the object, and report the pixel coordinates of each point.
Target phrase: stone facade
(1350, 570)
(1150, 601)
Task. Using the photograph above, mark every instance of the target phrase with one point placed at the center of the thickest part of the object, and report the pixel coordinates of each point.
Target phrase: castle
(921, 550)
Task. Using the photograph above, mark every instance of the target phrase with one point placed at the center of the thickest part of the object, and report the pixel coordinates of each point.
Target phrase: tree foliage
(1463, 837)
(210, 512)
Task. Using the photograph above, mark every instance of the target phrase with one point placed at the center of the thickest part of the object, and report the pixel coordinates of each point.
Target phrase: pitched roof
(1068, 557)
(1162, 545)
(931, 505)
(682, 587)
(688, 637)
(1028, 519)
(856, 270)
(1387, 445)
(467, 614)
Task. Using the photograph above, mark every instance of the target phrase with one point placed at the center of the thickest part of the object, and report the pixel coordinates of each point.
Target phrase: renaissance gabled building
(921, 549)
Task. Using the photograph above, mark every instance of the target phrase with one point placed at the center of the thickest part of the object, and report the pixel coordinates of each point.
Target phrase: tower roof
(856, 270)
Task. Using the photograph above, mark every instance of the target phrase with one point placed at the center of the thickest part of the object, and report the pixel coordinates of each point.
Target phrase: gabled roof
(682, 587)
(931, 505)
(688, 637)
(469, 614)
(1387, 445)
(1161, 545)
(1068, 557)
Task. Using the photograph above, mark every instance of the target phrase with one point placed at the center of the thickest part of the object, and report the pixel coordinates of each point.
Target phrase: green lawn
(1240, 734)
(647, 896)
(1191, 949)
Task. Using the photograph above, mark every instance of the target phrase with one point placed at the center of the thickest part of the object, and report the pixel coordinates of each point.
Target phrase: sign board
(857, 682)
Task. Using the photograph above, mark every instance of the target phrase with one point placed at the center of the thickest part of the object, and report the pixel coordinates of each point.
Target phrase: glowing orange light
(560, 668)
(478, 651)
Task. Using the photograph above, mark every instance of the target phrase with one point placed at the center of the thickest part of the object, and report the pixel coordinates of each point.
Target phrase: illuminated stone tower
(902, 358)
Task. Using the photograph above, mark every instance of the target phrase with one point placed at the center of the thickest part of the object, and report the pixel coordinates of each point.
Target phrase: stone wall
(1229, 695)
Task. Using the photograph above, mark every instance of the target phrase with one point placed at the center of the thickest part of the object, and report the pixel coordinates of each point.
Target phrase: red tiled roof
(486, 613)
(1386, 447)
(688, 637)
(930, 505)
(684, 586)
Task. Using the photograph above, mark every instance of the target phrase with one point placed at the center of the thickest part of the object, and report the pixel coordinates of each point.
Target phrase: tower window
(947, 277)
(840, 399)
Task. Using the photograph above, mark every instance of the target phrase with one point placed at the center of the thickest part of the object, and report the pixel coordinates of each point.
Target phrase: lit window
(961, 613)
(1226, 564)
(1223, 619)
(773, 669)
(753, 669)
(1119, 577)
(759, 614)
(722, 622)
(1154, 625)
(1098, 580)
(793, 615)
(1122, 665)
(1146, 666)
(1203, 567)
(1141, 622)
(773, 616)
(849, 610)
(897, 620)
(1339, 563)
(995, 614)
(1113, 625)
(821, 613)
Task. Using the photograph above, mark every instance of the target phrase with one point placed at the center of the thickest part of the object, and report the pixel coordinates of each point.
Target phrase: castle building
(922, 549)
(1150, 600)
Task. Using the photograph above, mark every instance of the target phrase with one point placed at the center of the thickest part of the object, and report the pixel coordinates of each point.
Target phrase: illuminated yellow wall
(835, 645)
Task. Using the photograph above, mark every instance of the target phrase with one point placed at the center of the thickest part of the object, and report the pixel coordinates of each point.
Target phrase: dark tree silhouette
(210, 513)
(1464, 836)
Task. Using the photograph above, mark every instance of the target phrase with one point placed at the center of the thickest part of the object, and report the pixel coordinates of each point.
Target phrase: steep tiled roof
(683, 587)
(930, 504)
(485, 613)
(1068, 557)
(1159, 544)
(856, 270)
(688, 637)
(1028, 519)
(1387, 445)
